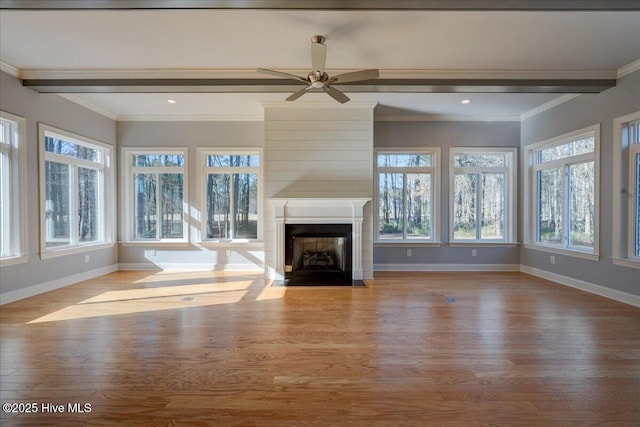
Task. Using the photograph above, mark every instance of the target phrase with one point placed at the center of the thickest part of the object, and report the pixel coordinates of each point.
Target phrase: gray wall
(61, 113)
(578, 113)
(445, 135)
(192, 135)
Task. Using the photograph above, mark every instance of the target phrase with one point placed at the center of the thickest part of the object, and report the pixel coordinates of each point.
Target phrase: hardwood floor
(410, 349)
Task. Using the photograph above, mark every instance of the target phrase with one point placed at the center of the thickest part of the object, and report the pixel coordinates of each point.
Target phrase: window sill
(231, 244)
(477, 243)
(626, 262)
(155, 243)
(405, 243)
(566, 252)
(15, 260)
(54, 253)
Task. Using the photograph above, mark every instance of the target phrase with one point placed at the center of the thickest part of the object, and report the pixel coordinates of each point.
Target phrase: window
(563, 193)
(75, 178)
(407, 200)
(12, 189)
(155, 192)
(483, 195)
(230, 195)
(626, 191)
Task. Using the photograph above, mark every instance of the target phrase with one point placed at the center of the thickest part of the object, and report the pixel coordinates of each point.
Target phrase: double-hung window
(75, 176)
(230, 195)
(155, 191)
(564, 193)
(482, 195)
(407, 201)
(626, 191)
(12, 189)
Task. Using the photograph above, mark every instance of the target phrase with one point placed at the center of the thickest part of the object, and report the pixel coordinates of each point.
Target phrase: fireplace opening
(318, 254)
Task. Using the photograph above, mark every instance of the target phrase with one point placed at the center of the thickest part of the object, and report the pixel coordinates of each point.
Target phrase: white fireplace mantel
(334, 210)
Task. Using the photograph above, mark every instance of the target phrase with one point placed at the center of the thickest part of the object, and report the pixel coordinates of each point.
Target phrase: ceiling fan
(318, 78)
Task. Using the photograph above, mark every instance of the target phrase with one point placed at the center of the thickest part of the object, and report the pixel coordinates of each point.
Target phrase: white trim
(510, 171)
(444, 118)
(11, 296)
(107, 211)
(140, 266)
(164, 244)
(485, 243)
(88, 105)
(624, 262)
(631, 67)
(14, 260)
(548, 105)
(602, 291)
(10, 69)
(198, 232)
(194, 118)
(19, 244)
(530, 167)
(127, 193)
(369, 105)
(435, 170)
(446, 267)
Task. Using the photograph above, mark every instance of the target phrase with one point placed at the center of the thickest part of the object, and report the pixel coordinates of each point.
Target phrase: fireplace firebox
(318, 254)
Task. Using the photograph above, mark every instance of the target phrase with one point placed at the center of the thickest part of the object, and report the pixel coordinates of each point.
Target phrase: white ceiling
(125, 43)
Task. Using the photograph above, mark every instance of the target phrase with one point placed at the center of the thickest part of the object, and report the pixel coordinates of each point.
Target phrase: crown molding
(443, 118)
(370, 105)
(10, 69)
(89, 105)
(548, 105)
(628, 69)
(190, 118)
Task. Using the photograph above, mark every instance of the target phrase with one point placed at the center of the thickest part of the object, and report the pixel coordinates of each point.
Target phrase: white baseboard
(189, 267)
(30, 291)
(446, 267)
(620, 296)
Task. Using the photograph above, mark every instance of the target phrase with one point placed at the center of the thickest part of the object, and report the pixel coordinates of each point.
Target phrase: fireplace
(329, 230)
(318, 254)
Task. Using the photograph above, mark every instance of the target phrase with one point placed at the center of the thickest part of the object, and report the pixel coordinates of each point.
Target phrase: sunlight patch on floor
(152, 299)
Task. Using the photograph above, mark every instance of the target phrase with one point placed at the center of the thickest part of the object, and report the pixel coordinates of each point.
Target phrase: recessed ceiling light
(465, 101)
(171, 101)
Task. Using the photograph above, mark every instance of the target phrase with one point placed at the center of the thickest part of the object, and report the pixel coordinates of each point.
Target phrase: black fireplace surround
(318, 254)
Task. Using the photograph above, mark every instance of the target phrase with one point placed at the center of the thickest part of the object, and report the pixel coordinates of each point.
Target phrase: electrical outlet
(408, 252)
(86, 258)
(552, 259)
(474, 252)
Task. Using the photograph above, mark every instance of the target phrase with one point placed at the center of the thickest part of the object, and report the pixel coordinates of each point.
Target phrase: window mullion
(158, 208)
(405, 213)
(566, 197)
(232, 201)
(478, 206)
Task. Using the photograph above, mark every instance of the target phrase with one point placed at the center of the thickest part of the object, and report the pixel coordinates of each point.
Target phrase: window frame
(106, 193)
(434, 170)
(530, 200)
(16, 182)
(623, 183)
(510, 171)
(199, 233)
(128, 195)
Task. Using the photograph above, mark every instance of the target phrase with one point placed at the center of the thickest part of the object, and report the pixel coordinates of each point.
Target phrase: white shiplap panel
(317, 155)
(318, 165)
(290, 176)
(311, 114)
(318, 135)
(334, 145)
(323, 125)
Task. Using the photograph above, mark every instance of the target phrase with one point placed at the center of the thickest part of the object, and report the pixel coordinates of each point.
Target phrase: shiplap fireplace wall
(318, 151)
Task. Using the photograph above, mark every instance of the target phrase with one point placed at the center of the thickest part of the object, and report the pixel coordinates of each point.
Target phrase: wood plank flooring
(410, 349)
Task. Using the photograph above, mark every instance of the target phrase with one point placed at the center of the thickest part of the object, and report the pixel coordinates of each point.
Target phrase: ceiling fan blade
(318, 55)
(336, 94)
(281, 74)
(355, 76)
(298, 94)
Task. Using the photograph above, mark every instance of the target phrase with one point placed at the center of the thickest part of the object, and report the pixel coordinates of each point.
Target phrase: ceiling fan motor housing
(317, 78)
